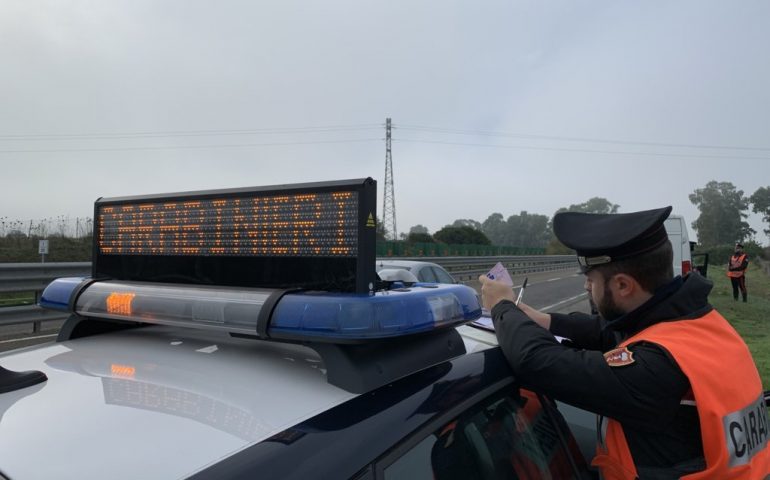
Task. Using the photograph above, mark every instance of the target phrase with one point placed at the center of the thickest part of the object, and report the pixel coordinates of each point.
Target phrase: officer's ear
(624, 285)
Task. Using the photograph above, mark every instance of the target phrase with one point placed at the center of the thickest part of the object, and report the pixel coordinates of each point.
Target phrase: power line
(579, 150)
(571, 139)
(190, 147)
(358, 127)
(191, 133)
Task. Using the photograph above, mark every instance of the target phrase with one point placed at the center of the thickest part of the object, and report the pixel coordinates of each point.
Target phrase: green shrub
(15, 249)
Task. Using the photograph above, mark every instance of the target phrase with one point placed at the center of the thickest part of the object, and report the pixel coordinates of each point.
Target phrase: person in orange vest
(736, 270)
(675, 388)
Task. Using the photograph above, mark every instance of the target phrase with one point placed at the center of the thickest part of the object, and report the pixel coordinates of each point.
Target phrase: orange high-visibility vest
(735, 263)
(728, 395)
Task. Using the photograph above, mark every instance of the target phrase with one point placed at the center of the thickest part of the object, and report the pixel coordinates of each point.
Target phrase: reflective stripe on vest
(728, 392)
(735, 263)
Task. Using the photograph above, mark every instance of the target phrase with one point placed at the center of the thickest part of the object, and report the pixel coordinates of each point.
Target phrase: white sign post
(42, 249)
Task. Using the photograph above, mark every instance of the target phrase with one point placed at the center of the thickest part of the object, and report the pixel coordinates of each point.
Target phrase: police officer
(675, 387)
(736, 270)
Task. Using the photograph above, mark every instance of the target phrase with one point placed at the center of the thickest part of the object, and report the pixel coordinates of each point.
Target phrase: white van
(680, 241)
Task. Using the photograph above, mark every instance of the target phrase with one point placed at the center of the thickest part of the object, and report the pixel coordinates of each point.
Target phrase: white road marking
(565, 301)
(553, 279)
(209, 349)
(21, 339)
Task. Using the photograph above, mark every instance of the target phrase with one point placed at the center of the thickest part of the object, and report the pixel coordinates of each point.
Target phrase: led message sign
(322, 224)
(317, 235)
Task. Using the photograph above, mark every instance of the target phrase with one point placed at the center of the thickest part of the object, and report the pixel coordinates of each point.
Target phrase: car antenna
(11, 381)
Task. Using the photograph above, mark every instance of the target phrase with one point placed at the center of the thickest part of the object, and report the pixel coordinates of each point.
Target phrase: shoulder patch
(620, 357)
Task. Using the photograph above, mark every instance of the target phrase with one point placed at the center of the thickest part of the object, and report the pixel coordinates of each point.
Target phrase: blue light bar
(305, 316)
(390, 313)
(56, 295)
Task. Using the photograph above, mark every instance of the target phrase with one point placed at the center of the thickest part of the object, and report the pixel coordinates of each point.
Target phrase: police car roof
(159, 401)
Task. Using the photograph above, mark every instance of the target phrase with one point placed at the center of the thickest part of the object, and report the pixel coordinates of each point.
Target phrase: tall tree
(592, 205)
(527, 230)
(419, 229)
(381, 231)
(494, 228)
(467, 222)
(461, 236)
(522, 230)
(722, 214)
(419, 234)
(416, 237)
(760, 203)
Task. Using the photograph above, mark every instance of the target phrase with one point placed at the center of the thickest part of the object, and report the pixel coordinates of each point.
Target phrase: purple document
(500, 274)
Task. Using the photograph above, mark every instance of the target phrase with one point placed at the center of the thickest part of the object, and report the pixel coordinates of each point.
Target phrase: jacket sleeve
(644, 394)
(583, 330)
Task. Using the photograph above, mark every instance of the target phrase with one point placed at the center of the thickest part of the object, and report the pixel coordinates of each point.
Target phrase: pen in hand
(521, 291)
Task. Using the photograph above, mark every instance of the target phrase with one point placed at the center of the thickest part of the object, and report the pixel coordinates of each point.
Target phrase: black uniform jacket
(643, 396)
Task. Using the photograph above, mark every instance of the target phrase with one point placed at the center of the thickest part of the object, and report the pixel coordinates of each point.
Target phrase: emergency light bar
(274, 314)
(289, 263)
(313, 235)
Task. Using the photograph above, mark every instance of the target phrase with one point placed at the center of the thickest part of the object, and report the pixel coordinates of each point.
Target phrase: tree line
(61, 226)
(722, 220)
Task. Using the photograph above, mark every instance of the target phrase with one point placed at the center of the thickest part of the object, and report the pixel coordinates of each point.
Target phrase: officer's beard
(608, 309)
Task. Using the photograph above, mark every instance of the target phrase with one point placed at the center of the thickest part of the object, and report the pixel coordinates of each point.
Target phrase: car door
(510, 434)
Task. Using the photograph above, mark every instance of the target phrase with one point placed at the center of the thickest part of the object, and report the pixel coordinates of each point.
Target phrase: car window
(426, 275)
(442, 276)
(504, 437)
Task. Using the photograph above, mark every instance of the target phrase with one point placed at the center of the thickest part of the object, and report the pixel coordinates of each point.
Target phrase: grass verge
(12, 299)
(751, 319)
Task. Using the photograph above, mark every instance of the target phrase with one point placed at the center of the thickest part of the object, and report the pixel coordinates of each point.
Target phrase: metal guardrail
(466, 269)
(34, 277)
(27, 277)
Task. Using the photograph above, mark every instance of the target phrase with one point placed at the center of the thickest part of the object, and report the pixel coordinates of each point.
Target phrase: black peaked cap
(604, 238)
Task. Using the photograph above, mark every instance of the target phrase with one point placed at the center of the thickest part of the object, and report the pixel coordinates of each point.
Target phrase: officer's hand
(492, 291)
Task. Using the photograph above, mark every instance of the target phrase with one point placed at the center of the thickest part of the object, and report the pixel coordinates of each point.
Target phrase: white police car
(243, 334)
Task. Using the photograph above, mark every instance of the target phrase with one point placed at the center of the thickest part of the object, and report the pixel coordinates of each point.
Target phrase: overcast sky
(497, 106)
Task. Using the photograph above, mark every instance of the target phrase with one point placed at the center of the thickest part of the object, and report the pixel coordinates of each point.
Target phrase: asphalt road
(18, 336)
(548, 291)
(560, 292)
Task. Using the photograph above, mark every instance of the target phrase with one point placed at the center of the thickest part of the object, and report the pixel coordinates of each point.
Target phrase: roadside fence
(32, 278)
